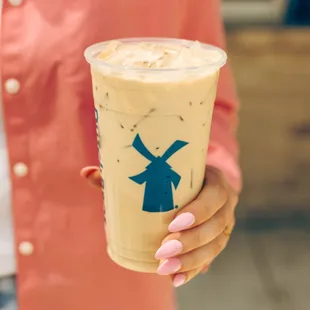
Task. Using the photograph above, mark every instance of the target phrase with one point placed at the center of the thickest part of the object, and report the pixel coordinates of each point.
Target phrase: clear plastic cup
(153, 128)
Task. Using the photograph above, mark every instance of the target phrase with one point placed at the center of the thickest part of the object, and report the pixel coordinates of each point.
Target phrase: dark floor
(259, 270)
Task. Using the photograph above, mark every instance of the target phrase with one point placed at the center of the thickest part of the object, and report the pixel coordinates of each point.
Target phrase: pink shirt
(49, 122)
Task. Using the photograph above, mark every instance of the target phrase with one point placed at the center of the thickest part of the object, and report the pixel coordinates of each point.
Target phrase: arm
(223, 148)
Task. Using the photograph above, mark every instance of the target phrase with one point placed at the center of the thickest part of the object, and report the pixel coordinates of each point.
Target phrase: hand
(200, 231)
(92, 175)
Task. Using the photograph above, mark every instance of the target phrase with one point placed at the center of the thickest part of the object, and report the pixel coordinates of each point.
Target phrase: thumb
(92, 174)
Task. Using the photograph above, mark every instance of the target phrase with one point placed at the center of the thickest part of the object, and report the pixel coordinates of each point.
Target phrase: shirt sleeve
(223, 148)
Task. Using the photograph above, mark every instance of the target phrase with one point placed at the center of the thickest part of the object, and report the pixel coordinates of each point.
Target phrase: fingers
(195, 259)
(188, 240)
(87, 171)
(92, 174)
(200, 231)
(182, 278)
(208, 202)
(229, 228)
(204, 254)
(206, 268)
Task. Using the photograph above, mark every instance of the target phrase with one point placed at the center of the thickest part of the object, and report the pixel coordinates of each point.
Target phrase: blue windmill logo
(159, 178)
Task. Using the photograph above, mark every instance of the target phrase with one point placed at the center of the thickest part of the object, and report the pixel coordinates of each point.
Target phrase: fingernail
(87, 171)
(181, 222)
(169, 266)
(169, 249)
(179, 280)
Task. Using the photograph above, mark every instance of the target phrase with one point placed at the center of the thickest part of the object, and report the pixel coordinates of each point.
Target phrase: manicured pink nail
(169, 266)
(181, 222)
(169, 249)
(179, 280)
(87, 171)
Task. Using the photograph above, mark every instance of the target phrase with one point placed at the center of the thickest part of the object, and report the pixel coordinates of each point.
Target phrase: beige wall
(253, 11)
(272, 69)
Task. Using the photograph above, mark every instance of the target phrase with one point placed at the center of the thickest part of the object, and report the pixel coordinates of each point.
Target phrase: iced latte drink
(154, 101)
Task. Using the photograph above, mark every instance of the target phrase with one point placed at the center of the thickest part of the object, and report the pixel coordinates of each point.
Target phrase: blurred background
(267, 263)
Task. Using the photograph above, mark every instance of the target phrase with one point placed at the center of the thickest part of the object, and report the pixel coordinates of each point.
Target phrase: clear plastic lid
(153, 56)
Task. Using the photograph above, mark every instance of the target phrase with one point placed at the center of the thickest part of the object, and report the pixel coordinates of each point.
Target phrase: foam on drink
(158, 55)
(141, 60)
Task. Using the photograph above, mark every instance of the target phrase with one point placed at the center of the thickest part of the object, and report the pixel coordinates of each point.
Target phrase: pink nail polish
(181, 222)
(179, 280)
(169, 249)
(169, 266)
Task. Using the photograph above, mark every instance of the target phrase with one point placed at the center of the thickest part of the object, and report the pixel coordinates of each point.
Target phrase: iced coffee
(154, 101)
